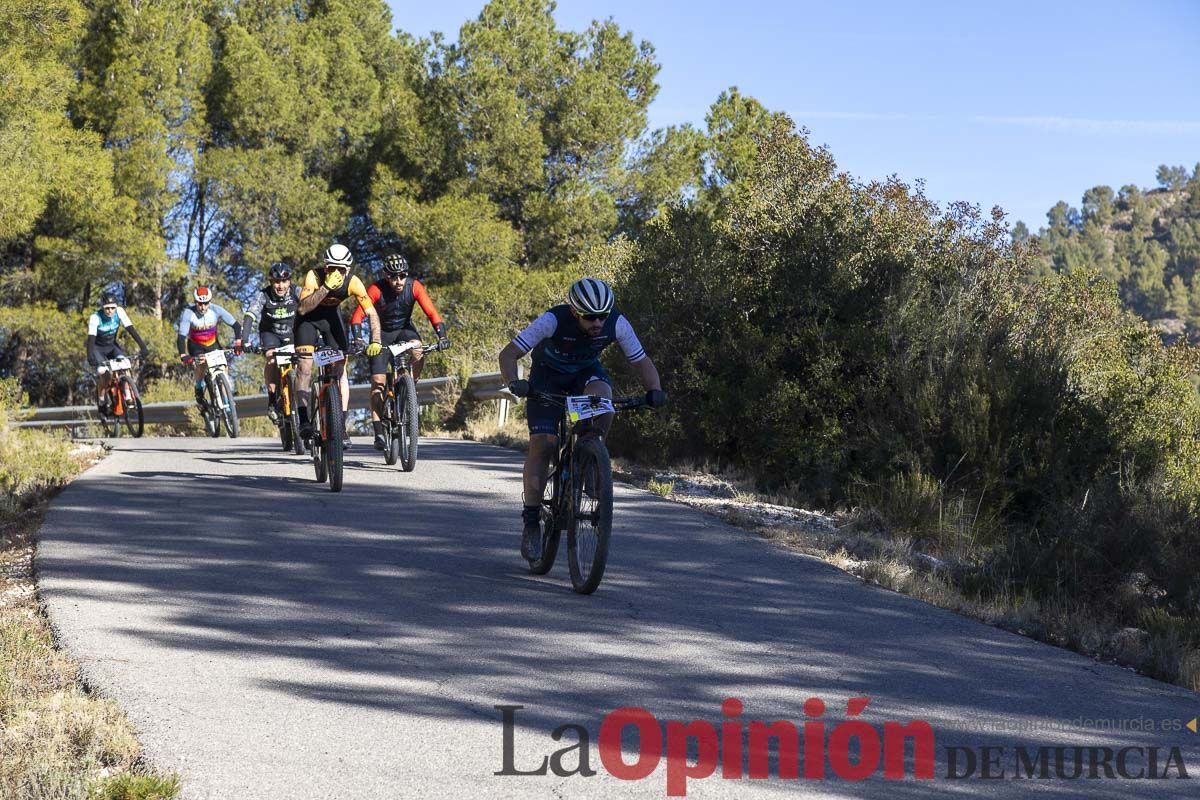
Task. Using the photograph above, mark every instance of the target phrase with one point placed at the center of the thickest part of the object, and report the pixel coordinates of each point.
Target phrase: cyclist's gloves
(374, 349)
(443, 339)
(145, 351)
(520, 388)
(334, 280)
(656, 398)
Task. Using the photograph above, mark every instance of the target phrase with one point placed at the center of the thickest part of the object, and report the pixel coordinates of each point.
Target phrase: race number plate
(215, 359)
(284, 354)
(585, 407)
(118, 364)
(403, 347)
(324, 357)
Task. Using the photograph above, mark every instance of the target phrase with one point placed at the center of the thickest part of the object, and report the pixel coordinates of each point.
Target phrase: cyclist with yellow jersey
(317, 319)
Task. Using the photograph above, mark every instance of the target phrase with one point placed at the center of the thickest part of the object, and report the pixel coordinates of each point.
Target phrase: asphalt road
(271, 639)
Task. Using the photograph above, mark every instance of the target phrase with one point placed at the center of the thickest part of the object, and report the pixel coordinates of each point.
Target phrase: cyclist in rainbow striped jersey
(198, 334)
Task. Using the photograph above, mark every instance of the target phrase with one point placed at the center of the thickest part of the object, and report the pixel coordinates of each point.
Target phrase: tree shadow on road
(408, 594)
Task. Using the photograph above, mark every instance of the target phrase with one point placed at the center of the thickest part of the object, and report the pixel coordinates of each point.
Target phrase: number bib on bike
(115, 365)
(325, 357)
(581, 407)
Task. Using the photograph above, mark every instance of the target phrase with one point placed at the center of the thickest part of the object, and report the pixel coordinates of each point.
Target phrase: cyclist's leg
(542, 418)
(269, 342)
(379, 368)
(199, 367)
(105, 379)
(337, 334)
(308, 332)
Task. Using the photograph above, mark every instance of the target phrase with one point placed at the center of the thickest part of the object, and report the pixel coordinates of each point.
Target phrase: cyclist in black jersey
(273, 315)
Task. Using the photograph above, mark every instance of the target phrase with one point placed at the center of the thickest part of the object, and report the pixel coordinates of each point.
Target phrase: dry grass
(57, 742)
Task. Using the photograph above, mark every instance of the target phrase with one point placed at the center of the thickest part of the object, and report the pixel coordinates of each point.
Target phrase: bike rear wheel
(131, 407)
(408, 424)
(589, 522)
(318, 444)
(285, 434)
(551, 531)
(335, 433)
(391, 453)
(227, 405)
(212, 415)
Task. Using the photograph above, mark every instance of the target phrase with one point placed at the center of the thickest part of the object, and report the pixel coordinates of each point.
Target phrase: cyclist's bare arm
(648, 374)
(509, 357)
(311, 296)
(373, 319)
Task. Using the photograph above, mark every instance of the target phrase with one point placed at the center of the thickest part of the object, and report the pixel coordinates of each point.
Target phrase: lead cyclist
(566, 343)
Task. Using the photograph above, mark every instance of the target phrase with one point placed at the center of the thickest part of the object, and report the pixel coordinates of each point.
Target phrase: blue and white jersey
(105, 328)
(560, 344)
(202, 328)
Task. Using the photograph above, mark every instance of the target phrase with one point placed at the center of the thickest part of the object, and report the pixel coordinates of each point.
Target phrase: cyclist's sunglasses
(594, 317)
(110, 308)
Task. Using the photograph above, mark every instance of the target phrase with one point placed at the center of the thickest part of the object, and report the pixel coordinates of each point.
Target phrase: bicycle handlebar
(628, 403)
(359, 348)
(229, 351)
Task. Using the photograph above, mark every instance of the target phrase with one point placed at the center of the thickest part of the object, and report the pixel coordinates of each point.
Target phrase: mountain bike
(124, 402)
(578, 496)
(399, 418)
(329, 430)
(287, 411)
(219, 406)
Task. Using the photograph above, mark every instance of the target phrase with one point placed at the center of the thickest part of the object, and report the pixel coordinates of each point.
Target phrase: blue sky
(1016, 104)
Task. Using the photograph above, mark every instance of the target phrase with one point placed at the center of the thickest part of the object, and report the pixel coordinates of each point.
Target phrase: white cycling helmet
(203, 294)
(591, 296)
(338, 255)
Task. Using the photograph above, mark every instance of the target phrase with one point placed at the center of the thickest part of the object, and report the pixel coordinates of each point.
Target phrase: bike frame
(117, 368)
(285, 362)
(327, 375)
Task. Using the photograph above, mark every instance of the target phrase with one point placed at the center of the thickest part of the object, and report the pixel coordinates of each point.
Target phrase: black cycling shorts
(195, 348)
(379, 363)
(323, 325)
(542, 416)
(269, 340)
(107, 353)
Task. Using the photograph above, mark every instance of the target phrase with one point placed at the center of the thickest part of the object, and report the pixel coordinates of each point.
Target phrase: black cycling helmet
(395, 264)
(108, 299)
(280, 271)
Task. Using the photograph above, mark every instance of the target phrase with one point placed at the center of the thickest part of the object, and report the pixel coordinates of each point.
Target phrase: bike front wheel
(391, 453)
(227, 405)
(131, 407)
(589, 521)
(212, 414)
(408, 426)
(318, 435)
(335, 434)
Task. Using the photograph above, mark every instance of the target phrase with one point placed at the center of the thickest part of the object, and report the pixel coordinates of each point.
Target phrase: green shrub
(856, 342)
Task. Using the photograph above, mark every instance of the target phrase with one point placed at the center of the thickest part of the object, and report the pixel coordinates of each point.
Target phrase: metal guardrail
(481, 386)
